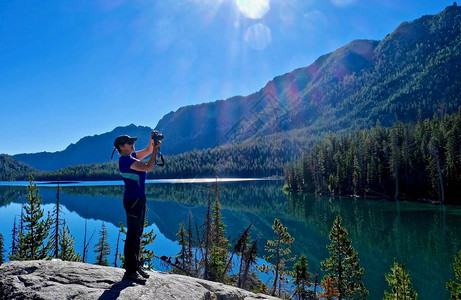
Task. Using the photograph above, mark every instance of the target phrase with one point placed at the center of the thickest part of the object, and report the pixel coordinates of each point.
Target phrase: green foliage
(343, 264)
(279, 254)
(102, 248)
(219, 242)
(14, 240)
(11, 169)
(215, 257)
(66, 245)
(400, 284)
(302, 279)
(411, 74)
(32, 240)
(207, 243)
(146, 256)
(253, 158)
(417, 67)
(454, 286)
(191, 259)
(405, 161)
(181, 257)
(185, 262)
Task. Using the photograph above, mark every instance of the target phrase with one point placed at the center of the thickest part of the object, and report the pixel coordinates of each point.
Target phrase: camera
(156, 136)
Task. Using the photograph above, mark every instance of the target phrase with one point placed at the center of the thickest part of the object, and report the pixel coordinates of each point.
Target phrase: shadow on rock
(116, 289)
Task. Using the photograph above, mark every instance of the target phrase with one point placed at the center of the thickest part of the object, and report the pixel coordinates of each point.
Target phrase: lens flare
(258, 36)
(253, 9)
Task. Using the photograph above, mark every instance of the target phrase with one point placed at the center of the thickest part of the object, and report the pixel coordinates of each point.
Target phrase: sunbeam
(258, 36)
(253, 9)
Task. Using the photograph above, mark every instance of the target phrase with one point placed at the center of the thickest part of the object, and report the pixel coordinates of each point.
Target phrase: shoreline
(383, 197)
(54, 183)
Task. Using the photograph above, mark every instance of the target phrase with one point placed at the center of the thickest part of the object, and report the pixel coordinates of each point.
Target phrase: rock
(73, 280)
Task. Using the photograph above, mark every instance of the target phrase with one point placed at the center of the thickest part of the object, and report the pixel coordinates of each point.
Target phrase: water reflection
(425, 237)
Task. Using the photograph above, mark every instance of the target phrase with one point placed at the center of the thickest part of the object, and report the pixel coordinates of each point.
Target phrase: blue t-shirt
(134, 180)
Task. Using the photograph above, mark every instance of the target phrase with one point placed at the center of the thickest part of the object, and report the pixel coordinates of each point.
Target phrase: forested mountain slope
(414, 72)
(10, 168)
(411, 74)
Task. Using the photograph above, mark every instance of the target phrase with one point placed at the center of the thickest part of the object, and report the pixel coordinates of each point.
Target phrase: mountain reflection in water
(425, 237)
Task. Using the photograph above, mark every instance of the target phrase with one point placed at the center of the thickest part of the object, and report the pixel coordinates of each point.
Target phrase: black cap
(123, 139)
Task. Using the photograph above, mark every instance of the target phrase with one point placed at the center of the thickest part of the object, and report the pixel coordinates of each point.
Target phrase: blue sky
(70, 69)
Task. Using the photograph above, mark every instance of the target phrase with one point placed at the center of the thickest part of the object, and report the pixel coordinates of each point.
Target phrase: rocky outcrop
(72, 280)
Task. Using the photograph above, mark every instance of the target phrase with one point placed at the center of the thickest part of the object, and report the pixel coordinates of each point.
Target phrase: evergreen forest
(206, 252)
(405, 161)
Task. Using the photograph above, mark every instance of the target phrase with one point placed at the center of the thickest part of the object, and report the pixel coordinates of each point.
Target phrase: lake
(426, 237)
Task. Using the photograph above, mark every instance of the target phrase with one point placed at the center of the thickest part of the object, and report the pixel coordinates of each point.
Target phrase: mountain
(413, 73)
(90, 149)
(11, 168)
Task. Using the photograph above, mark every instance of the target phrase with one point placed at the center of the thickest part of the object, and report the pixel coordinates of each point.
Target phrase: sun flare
(253, 9)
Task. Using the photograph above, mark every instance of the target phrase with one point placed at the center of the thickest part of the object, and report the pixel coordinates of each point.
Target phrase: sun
(253, 9)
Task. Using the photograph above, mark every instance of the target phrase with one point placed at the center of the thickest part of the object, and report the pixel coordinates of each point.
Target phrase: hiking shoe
(143, 272)
(134, 276)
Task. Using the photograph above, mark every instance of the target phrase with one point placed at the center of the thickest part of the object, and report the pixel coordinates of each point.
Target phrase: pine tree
(395, 157)
(280, 253)
(241, 249)
(21, 221)
(436, 164)
(207, 233)
(190, 247)
(198, 249)
(36, 229)
(55, 233)
(181, 256)
(2, 250)
(454, 287)
(116, 249)
(302, 279)
(219, 242)
(66, 245)
(102, 248)
(400, 284)
(147, 238)
(14, 239)
(249, 259)
(343, 264)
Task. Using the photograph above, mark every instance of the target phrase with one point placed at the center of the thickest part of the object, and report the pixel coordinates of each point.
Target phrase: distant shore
(54, 183)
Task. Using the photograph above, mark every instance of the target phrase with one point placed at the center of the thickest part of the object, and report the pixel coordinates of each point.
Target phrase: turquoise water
(425, 237)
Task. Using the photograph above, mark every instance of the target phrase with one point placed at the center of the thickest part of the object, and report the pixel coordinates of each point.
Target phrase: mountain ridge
(365, 74)
(414, 72)
(95, 149)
